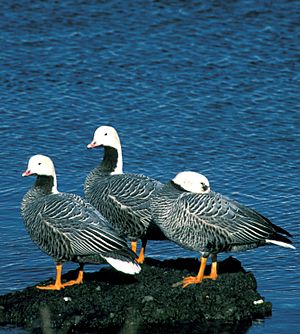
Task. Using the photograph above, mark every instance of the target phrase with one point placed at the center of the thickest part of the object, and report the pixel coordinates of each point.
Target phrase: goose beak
(93, 144)
(27, 173)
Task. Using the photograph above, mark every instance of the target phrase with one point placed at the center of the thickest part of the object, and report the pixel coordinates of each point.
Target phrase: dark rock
(112, 302)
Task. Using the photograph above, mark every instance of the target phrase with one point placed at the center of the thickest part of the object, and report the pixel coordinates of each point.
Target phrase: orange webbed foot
(198, 279)
(78, 280)
(190, 280)
(50, 287)
(195, 280)
(212, 276)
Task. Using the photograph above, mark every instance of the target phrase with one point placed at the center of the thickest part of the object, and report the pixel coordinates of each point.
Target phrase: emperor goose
(124, 199)
(68, 228)
(195, 217)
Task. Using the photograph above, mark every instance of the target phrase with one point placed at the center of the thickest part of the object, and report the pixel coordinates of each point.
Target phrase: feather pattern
(68, 228)
(124, 199)
(209, 222)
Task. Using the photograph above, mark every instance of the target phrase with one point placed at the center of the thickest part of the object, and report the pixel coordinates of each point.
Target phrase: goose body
(195, 217)
(67, 227)
(124, 199)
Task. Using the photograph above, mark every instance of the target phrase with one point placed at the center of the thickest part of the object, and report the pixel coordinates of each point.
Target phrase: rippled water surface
(210, 86)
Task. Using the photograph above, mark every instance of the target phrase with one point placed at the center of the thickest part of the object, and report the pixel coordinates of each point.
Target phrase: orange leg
(141, 257)
(213, 272)
(198, 279)
(78, 280)
(57, 285)
(134, 245)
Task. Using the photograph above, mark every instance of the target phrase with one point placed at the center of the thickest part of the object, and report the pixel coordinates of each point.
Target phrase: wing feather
(228, 219)
(69, 226)
(124, 200)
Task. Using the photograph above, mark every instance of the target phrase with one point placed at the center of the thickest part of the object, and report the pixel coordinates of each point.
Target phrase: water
(205, 86)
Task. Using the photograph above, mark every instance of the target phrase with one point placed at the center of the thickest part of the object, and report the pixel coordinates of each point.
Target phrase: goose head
(105, 136)
(192, 182)
(41, 165)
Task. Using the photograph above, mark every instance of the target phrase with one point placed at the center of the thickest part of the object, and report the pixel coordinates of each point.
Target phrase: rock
(113, 302)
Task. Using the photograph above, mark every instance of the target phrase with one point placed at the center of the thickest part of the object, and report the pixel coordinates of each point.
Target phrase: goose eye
(105, 134)
(39, 163)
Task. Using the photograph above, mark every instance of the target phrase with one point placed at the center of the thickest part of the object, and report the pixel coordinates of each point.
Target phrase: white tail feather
(124, 266)
(280, 243)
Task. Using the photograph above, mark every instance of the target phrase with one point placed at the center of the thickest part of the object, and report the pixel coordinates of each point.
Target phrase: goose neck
(112, 160)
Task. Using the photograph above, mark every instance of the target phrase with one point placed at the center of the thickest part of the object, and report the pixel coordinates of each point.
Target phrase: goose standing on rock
(195, 217)
(124, 199)
(68, 228)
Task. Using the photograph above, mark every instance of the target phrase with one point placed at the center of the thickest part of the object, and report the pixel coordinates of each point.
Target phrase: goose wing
(222, 219)
(128, 196)
(72, 227)
(132, 191)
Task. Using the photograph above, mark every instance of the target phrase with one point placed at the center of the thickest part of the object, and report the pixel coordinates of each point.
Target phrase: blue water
(210, 86)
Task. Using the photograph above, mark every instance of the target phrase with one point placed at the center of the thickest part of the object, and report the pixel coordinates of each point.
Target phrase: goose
(190, 214)
(124, 199)
(68, 228)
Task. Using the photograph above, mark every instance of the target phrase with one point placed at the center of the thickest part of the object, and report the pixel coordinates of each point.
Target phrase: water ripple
(210, 87)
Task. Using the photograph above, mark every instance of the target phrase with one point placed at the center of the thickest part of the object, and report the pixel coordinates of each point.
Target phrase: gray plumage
(124, 199)
(210, 223)
(67, 227)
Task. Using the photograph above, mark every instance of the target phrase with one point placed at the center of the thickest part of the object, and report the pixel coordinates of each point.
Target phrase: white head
(41, 165)
(192, 182)
(105, 136)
